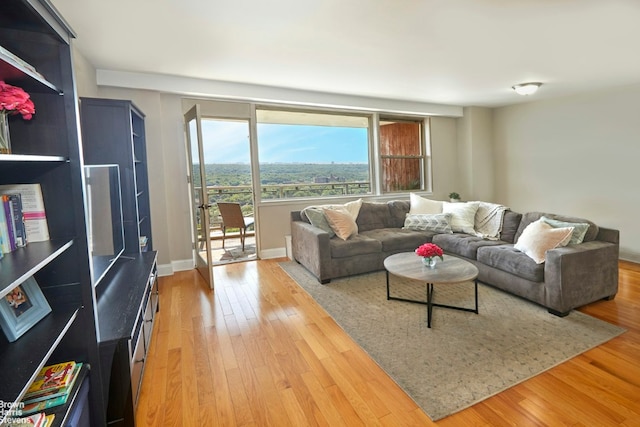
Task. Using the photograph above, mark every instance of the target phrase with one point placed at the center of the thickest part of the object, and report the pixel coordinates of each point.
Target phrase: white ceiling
(456, 52)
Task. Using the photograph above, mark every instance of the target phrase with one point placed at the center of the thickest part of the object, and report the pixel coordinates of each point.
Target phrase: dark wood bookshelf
(36, 56)
(113, 132)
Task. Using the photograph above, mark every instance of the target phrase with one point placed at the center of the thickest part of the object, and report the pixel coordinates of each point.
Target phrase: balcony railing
(242, 193)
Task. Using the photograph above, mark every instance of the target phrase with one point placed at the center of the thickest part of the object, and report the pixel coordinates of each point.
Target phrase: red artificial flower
(14, 100)
(429, 250)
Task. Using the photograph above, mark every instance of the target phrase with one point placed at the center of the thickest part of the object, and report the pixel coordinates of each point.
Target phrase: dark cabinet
(126, 312)
(35, 55)
(113, 132)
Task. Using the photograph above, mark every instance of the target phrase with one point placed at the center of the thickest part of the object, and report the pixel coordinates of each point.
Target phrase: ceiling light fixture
(527, 88)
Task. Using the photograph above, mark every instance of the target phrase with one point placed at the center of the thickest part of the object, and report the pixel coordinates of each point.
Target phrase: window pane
(400, 174)
(399, 138)
(312, 154)
(402, 157)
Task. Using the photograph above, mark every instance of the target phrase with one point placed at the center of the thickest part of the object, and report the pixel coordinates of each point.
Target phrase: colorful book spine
(44, 405)
(4, 233)
(18, 220)
(8, 215)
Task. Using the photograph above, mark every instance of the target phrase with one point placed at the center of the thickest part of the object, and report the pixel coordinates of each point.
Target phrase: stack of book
(51, 387)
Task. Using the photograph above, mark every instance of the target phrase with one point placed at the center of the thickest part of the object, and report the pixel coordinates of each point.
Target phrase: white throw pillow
(463, 216)
(420, 205)
(341, 222)
(539, 237)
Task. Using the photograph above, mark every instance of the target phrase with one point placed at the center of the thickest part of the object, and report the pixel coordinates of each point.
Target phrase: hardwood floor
(259, 352)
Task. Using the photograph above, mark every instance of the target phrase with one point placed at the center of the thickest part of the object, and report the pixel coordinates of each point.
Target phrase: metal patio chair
(232, 217)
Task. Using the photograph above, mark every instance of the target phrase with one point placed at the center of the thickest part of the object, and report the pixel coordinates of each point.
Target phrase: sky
(228, 142)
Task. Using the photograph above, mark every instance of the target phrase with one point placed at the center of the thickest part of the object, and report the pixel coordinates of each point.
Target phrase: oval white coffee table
(450, 271)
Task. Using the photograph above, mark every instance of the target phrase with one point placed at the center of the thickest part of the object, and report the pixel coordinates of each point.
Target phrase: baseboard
(273, 253)
(180, 265)
(629, 256)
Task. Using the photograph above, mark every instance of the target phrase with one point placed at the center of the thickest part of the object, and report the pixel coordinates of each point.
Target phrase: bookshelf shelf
(15, 73)
(23, 263)
(29, 354)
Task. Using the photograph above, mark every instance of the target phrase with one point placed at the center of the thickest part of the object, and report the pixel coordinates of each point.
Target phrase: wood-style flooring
(258, 351)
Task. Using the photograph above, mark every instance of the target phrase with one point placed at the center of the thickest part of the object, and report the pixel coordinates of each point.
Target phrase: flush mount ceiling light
(527, 88)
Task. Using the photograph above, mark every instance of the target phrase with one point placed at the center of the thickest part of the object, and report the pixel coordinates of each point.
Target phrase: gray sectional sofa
(571, 276)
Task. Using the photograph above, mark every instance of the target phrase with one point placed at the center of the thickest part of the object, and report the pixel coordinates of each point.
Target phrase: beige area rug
(465, 357)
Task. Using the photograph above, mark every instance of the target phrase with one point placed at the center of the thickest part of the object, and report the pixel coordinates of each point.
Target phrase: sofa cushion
(510, 260)
(438, 223)
(539, 237)
(372, 216)
(398, 210)
(530, 217)
(341, 222)
(510, 224)
(356, 245)
(463, 244)
(398, 240)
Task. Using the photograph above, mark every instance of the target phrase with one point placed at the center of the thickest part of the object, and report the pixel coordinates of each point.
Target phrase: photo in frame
(23, 307)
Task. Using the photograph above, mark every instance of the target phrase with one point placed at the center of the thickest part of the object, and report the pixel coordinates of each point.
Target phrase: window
(312, 154)
(402, 155)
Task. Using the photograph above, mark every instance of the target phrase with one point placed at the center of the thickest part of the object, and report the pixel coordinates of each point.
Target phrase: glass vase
(429, 262)
(5, 141)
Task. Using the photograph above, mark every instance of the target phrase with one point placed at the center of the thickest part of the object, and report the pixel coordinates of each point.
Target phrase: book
(18, 220)
(52, 377)
(45, 404)
(35, 218)
(35, 420)
(5, 246)
(49, 420)
(39, 396)
(8, 215)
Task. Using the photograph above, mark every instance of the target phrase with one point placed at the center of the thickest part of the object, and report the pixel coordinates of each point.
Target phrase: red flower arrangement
(429, 250)
(14, 100)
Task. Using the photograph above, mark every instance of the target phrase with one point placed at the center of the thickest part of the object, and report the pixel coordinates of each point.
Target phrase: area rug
(236, 254)
(465, 357)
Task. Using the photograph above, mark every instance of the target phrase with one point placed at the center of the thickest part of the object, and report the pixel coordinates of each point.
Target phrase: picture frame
(23, 307)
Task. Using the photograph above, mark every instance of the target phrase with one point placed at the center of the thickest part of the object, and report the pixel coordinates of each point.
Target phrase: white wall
(577, 156)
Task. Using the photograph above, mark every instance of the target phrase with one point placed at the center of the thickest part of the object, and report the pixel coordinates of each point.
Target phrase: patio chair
(232, 218)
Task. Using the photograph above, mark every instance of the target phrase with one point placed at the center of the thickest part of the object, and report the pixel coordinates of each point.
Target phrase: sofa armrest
(310, 247)
(576, 275)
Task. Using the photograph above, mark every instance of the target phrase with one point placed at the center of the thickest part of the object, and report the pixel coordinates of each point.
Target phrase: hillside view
(280, 179)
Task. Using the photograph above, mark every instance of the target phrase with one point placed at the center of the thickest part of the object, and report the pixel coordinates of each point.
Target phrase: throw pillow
(579, 228)
(539, 237)
(420, 205)
(438, 223)
(317, 219)
(463, 216)
(341, 222)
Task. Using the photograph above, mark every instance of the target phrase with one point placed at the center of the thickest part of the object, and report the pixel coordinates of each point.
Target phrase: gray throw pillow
(579, 229)
(438, 223)
(317, 219)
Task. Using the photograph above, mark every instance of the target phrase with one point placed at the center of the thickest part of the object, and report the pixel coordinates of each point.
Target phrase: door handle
(204, 206)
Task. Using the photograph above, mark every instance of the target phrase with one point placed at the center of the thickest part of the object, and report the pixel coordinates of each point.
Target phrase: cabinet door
(137, 366)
